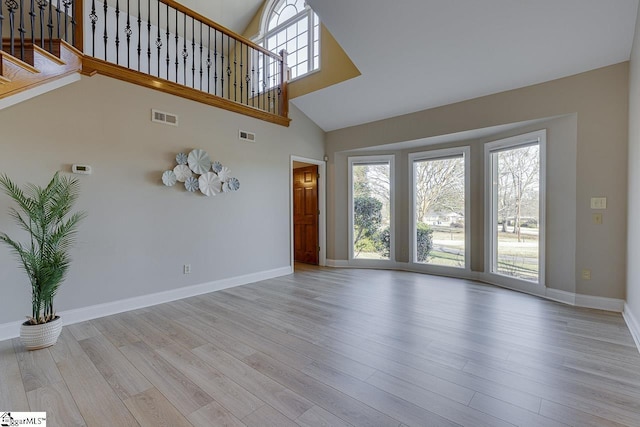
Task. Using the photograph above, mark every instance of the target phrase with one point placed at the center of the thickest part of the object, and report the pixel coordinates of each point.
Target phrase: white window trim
(434, 155)
(490, 242)
(392, 209)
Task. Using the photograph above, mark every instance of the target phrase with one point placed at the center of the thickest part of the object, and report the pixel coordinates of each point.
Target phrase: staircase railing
(39, 22)
(163, 45)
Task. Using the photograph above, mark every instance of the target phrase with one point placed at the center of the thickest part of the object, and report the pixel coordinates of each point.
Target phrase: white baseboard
(560, 296)
(632, 324)
(364, 263)
(578, 300)
(38, 90)
(12, 329)
(601, 303)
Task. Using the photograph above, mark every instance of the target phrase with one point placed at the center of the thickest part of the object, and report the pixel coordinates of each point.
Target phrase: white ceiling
(419, 54)
(233, 14)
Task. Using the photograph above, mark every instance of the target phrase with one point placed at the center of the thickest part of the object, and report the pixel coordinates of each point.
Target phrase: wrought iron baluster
(128, 32)
(215, 61)
(58, 13)
(168, 34)
(274, 85)
(50, 25)
(222, 70)
(235, 70)
(185, 53)
(260, 76)
(158, 39)
(1, 24)
(41, 4)
(209, 61)
(149, 36)
(270, 89)
(12, 6)
(177, 39)
(66, 4)
(139, 36)
(241, 72)
(32, 19)
(265, 81)
(73, 21)
(193, 52)
(247, 77)
(93, 16)
(105, 34)
(228, 67)
(118, 32)
(200, 55)
(22, 30)
(253, 84)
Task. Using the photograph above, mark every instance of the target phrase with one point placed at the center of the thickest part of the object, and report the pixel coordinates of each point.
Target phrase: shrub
(366, 244)
(424, 240)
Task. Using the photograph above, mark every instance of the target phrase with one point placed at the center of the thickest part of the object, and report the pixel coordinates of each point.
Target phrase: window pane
(292, 46)
(371, 211)
(293, 58)
(302, 55)
(303, 25)
(287, 13)
(303, 68)
(516, 199)
(439, 211)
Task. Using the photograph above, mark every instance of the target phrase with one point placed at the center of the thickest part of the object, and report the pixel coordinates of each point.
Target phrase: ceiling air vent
(162, 117)
(247, 136)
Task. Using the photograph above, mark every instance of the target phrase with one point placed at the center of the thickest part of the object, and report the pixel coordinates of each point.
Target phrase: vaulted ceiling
(233, 14)
(419, 54)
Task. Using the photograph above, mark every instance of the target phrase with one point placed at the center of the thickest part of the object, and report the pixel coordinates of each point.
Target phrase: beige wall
(589, 154)
(633, 244)
(139, 233)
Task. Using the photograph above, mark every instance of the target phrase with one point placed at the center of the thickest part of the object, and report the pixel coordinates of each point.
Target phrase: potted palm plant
(45, 214)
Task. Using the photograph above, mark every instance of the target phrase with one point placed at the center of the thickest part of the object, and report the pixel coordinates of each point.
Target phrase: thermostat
(81, 169)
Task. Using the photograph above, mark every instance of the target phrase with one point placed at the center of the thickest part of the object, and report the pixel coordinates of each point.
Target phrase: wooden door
(305, 214)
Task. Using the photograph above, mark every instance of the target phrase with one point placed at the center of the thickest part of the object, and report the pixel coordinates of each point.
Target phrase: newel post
(77, 20)
(284, 81)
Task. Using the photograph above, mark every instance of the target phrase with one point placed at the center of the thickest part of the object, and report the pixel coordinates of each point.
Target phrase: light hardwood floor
(325, 347)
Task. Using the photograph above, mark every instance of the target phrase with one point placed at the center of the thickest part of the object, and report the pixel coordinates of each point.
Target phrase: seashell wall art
(198, 173)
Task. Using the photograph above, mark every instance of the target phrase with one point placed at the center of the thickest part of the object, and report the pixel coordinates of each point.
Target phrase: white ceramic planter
(35, 337)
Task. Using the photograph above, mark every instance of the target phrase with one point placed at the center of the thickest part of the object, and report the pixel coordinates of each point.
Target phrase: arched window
(292, 25)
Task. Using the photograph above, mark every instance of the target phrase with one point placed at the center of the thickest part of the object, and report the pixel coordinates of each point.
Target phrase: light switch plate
(598, 203)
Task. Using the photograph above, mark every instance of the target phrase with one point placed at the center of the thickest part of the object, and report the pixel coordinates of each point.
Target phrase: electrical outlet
(586, 274)
(597, 218)
(187, 269)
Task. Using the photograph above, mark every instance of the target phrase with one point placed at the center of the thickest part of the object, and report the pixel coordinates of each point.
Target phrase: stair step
(17, 76)
(3, 79)
(52, 48)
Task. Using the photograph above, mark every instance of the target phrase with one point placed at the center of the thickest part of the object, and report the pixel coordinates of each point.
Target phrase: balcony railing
(159, 44)
(164, 45)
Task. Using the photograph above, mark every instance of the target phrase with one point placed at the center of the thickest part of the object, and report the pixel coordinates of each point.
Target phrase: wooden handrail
(193, 14)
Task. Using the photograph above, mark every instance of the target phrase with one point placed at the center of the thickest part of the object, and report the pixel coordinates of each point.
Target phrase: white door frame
(322, 206)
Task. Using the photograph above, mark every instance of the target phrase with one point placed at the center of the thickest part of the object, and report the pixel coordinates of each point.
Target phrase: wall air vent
(247, 136)
(162, 117)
